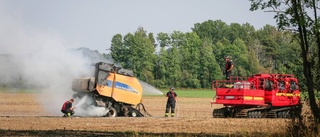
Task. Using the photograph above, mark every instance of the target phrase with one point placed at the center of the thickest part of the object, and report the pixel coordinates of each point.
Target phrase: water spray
(82, 101)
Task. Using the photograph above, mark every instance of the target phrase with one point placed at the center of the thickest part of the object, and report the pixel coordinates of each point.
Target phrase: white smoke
(86, 107)
(39, 57)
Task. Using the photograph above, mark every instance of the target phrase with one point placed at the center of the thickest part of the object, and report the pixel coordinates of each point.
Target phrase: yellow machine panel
(126, 89)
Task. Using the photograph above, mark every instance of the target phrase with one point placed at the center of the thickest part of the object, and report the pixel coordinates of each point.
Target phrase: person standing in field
(171, 102)
(67, 108)
(229, 67)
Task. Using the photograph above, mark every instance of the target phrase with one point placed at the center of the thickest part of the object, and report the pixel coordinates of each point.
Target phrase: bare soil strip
(194, 116)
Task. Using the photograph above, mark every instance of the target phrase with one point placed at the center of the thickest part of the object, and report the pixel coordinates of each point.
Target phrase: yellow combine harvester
(113, 88)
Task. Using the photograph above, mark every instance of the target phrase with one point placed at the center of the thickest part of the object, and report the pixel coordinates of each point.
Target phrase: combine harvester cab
(114, 88)
(259, 96)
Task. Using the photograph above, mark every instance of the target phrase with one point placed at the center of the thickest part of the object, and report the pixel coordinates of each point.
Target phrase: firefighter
(67, 108)
(229, 67)
(171, 102)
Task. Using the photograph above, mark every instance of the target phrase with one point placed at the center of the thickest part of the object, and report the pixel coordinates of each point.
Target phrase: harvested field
(21, 114)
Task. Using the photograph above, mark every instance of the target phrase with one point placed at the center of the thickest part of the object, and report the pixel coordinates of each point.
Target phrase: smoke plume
(86, 107)
(39, 58)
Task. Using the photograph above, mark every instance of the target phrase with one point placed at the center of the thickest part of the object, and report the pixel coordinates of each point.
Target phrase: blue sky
(93, 23)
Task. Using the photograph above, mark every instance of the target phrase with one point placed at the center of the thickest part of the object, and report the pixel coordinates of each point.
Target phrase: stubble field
(21, 114)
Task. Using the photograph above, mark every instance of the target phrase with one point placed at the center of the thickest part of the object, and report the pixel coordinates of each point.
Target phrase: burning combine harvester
(113, 88)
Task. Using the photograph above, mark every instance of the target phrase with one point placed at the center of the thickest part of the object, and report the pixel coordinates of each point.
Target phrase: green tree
(168, 63)
(244, 62)
(190, 64)
(186, 61)
(209, 69)
(163, 39)
(293, 15)
(215, 30)
(136, 52)
(270, 39)
(118, 50)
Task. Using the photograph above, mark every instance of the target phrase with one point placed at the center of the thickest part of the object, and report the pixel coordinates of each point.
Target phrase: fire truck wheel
(255, 114)
(286, 114)
(250, 114)
(259, 114)
(280, 115)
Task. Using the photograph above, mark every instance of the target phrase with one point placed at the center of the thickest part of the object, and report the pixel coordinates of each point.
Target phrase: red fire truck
(259, 96)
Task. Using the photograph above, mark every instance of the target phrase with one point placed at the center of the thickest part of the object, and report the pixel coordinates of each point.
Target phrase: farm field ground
(22, 115)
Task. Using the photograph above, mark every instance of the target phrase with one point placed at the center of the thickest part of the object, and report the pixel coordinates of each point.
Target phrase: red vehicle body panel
(240, 96)
(279, 90)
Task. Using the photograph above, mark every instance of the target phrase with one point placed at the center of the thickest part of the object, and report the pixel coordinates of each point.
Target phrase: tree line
(194, 59)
